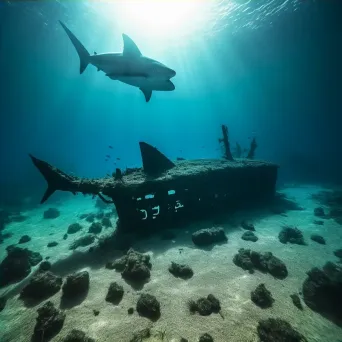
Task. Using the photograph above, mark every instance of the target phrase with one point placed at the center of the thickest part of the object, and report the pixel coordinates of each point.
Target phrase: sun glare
(164, 18)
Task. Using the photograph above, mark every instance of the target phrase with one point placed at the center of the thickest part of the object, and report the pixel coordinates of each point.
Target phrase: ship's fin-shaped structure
(154, 162)
(55, 178)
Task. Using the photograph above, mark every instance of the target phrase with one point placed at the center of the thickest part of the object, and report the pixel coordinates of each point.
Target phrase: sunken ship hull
(164, 193)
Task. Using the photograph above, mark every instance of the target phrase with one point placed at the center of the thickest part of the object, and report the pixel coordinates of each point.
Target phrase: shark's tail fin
(81, 50)
(55, 178)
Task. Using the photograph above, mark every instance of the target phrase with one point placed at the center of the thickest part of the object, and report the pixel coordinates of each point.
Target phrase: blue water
(266, 69)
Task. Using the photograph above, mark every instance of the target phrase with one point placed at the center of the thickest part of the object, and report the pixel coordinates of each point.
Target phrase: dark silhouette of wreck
(164, 193)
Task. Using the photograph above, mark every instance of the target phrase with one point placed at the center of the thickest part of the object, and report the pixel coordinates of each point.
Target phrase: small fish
(118, 159)
(108, 156)
(106, 160)
(110, 146)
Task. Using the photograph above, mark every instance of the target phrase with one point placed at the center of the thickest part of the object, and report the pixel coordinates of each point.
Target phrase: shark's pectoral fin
(147, 93)
(130, 48)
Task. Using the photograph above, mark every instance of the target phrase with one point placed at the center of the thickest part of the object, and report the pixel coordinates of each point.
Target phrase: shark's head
(159, 70)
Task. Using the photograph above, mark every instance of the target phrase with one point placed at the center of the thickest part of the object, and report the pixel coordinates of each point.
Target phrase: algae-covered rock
(42, 285)
(181, 271)
(76, 284)
(49, 322)
(115, 293)
(206, 237)
(148, 306)
(51, 213)
(262, 297)
(278, 330)
(74, 228)
(291, 235)
(17, 264)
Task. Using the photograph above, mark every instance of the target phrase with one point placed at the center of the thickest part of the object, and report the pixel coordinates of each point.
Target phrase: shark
(128, 66)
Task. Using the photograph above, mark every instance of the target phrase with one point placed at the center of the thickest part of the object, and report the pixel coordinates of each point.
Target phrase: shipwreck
(165, 193)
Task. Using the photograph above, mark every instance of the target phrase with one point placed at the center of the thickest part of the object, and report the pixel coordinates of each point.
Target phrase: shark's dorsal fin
(95, 53)
(147, 93)
(154, 162)
(130, 48)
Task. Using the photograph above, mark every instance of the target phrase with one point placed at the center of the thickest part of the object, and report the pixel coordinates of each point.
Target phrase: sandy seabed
(214, 272)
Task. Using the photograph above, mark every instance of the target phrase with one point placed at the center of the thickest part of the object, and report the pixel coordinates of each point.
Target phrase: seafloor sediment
(214, 272)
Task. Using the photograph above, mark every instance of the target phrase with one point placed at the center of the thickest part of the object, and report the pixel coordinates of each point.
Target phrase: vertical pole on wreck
(225, 140)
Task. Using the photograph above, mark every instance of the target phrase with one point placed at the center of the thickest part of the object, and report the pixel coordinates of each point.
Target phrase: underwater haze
(212, 207)
(269, 69)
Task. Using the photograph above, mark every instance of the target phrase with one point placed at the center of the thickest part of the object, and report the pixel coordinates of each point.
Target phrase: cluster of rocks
(209, 236)
(45, 284)
(205, 306)
(17, 264)
(291, 235)
(264, 262)
(322, 291)
(134, 266)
